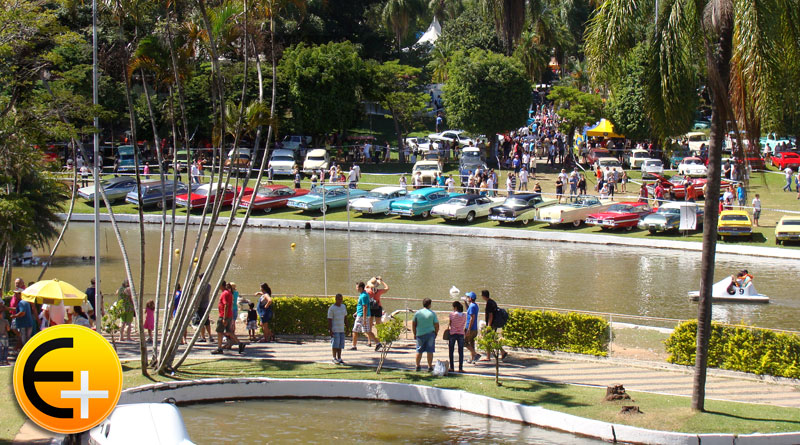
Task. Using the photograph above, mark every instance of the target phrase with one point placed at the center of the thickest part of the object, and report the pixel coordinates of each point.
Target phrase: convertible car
(675, 187)
(574, 212)
(421, 201)
(466, 207)
(324, 198)
(208, 192)
(271, 197)
(668, 217)
(623, 215)
(378, 200)
(521, 207)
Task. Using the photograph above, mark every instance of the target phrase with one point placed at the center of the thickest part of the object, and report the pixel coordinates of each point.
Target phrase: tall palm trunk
(69, 214)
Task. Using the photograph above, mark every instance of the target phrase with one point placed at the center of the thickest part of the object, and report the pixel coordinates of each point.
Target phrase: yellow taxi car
(734, 223)
(787, 229)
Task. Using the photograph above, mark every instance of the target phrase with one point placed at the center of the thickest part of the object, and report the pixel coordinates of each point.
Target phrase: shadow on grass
(795, 424)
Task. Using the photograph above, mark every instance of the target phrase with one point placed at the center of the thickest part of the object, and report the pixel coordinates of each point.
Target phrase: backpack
(500, 318)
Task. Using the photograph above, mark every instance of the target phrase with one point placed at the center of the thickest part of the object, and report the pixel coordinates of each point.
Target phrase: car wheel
(470, 217)
(160, 205)
(652, 231)
(267, 210)
(387, 213)
(425, 214)
(777, 241)
(577, 223)
(525, 221)
(629, 228)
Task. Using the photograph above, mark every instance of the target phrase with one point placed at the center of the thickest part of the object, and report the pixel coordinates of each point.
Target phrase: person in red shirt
(691, 193)
(225, 321)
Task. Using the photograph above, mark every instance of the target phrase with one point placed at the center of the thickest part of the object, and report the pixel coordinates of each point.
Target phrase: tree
(735, 43)
(468, 31)
(399, 15)
(487, 93)
(509, 20)
(324, 84)
(627, 108)
(398, 88)
(491, 342)
(387, 333)
(575, 108)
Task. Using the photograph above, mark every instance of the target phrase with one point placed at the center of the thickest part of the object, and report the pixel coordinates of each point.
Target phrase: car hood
(610, 215)
(448, 207)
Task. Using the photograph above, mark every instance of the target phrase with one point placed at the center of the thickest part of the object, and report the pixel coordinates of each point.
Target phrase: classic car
(416, 143)
(787, 229)
(772, 143)
(574, 211)
(596, 153)
(152, 191)
(675, 187)
(325, 197)
(651, 167)
(786, 159)
(453, 135)
(696, 139)
(115, 188)
(609, 163)
(316, 159)
(734, 223)
(623, 215)
(668, 217)
(692, 166)
(636, 158)
(466, 207)
(420, 201)
(428, 171)
(471, 159)
(677, 156)
(270, 197)
(378, 200)
(520, 207)
(197, 198)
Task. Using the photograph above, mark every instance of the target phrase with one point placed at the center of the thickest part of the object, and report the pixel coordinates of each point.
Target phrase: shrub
(554, 331)
(746, 349)
(307, 315)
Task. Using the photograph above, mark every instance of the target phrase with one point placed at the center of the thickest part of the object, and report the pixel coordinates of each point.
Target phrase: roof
(426, 191)
(431, 35)
(387, 189)
(603, 128)
(734, 212)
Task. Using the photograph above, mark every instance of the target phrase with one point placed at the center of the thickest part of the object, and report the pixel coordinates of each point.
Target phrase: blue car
(421, 201)
(334, 196)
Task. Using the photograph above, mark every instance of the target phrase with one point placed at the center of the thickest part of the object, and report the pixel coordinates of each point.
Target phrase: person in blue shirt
(363, 319)
(472, 327)
(25, 319)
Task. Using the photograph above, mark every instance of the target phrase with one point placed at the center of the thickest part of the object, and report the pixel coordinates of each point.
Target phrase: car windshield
(432, 156)
(516, 202)
(470, 154)
(669, 211)
(583, 202)
(791, 222)
(458, 201)
(693, 162)
(316, 158)
(377, 195)
(426, 167)
(619, 208)
(610, 163)
(641, 154)
(416, 198)
(266, 193)
(283, 158)
(735, 218)
(201, 192)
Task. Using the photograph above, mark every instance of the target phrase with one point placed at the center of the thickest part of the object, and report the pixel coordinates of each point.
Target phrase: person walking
(756, 209)
(458, 320)
(336, 314)
(362, 323)
(265, 311)
(375, 308)
(195, 173)
(225, 320)
(491, 320)
(425, 327)
(787, 172)
(471, 327)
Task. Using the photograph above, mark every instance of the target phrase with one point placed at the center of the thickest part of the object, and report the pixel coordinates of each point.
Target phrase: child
(336, 314)
(149, 311)
(4, 328)
(252, 321)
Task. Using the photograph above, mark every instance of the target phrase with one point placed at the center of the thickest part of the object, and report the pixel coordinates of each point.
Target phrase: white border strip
(212, 390)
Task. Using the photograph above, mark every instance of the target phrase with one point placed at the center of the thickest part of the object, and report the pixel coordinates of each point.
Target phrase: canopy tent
(431, 35)
(603, 129)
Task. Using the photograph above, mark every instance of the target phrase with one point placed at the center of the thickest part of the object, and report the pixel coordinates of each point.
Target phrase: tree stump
(630, 409)
(616, 392)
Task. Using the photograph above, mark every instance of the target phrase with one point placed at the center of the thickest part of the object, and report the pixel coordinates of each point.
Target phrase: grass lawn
(669, 413)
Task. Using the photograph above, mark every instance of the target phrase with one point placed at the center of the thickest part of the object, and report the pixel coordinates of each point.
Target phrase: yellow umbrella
(53, 292)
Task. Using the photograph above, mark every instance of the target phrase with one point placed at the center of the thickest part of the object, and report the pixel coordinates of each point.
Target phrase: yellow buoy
(177, 251)
(195, 259)
(293, 245)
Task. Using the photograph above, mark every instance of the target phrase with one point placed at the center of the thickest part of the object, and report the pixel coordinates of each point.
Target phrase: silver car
(115, 188)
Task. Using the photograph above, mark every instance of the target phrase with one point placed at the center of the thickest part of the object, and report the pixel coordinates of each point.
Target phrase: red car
(623, 215)
(674, 187)
(786, 159)
(270, 197)
(197, 199)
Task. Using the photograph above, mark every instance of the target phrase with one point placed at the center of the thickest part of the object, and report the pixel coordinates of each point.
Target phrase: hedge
(746, 349)
(554, 331)
(307, 315)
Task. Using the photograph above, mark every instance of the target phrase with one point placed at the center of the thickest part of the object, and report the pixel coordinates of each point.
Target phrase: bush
(307, 315)
(554, 331)
(746, 349)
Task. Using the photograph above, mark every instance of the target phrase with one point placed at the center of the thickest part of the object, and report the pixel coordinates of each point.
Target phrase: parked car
(127, 161)
(675, 187)
(466, 207)
(239, 159)
(611, 164)
(471, 159)
(636, 158)
(271, 197)
(324, 198)
(771, 142)
(416, 143)
(378, 200)
(625, 215)
(787, 229)
(677, 157)
(692, 166)
(651, 167)
(574, 212)
(152, 191)
(428, 171)
(734, 223)
(208, 192)
(316, 159)
(668, 217)
(282, 162)
(420, 202)
(295, 142)
(453, 135)
(596, 153)
(519, 208)
(786, 159)
(697, 139)
(115, 188)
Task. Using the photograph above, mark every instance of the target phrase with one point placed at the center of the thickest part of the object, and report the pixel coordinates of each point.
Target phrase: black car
(520, 207)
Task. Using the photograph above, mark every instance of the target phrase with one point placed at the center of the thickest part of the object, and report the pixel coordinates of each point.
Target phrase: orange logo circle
(67, 379)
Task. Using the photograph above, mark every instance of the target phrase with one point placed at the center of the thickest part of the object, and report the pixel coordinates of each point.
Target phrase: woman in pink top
(458, 320)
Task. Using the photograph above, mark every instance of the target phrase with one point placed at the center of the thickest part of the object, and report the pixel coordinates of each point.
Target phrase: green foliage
(390, 331)
(575, 108)
(486, 93)
(745, 349)
(324, 84)
(469, 31)
(554, 331)
(628, 107)
(306, 316)
(398, 88)
(112, 318)
(491, 342)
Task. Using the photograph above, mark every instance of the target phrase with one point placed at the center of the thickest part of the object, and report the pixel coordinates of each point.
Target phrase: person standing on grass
(787, 172)
(458, 320)
(362, 323)
(425, 327)
(336, 314)
(225, 320)
(756, 209)
(471, 327)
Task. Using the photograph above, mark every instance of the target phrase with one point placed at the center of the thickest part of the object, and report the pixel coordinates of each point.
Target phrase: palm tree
(509, 20)
(732, 40)
(399, 15)
(445, 10)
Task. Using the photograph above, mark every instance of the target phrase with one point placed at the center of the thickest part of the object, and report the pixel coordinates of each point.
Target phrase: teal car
(334, 196)
(421, 201)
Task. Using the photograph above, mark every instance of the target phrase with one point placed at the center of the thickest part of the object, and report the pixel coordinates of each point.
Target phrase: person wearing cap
(471, 330)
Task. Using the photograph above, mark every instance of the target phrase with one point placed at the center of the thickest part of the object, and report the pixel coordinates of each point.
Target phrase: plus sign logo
(67, 379)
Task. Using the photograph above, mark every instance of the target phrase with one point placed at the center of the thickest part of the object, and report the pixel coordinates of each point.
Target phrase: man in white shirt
(451, 184)
(336, 314)
(54, 313)
(788, 173)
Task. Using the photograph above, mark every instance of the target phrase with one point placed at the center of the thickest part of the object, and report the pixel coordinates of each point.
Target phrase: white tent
(431, 35)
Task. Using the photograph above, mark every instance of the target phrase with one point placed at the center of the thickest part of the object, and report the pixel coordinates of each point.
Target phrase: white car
(417, 143)
(696, 139)
(691, 166)
(378, 200)
(466, 207)
(453, 135)
(637, 157)
(427, 170)
(282, 162)
(316, 159)
(611, 163)
(652, 166)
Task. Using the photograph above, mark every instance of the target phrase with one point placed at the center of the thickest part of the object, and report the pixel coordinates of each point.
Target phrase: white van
(282, 162)
(316, 159)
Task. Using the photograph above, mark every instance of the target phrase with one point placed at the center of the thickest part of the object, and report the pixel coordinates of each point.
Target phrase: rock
(616, 392)
(630, 409)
